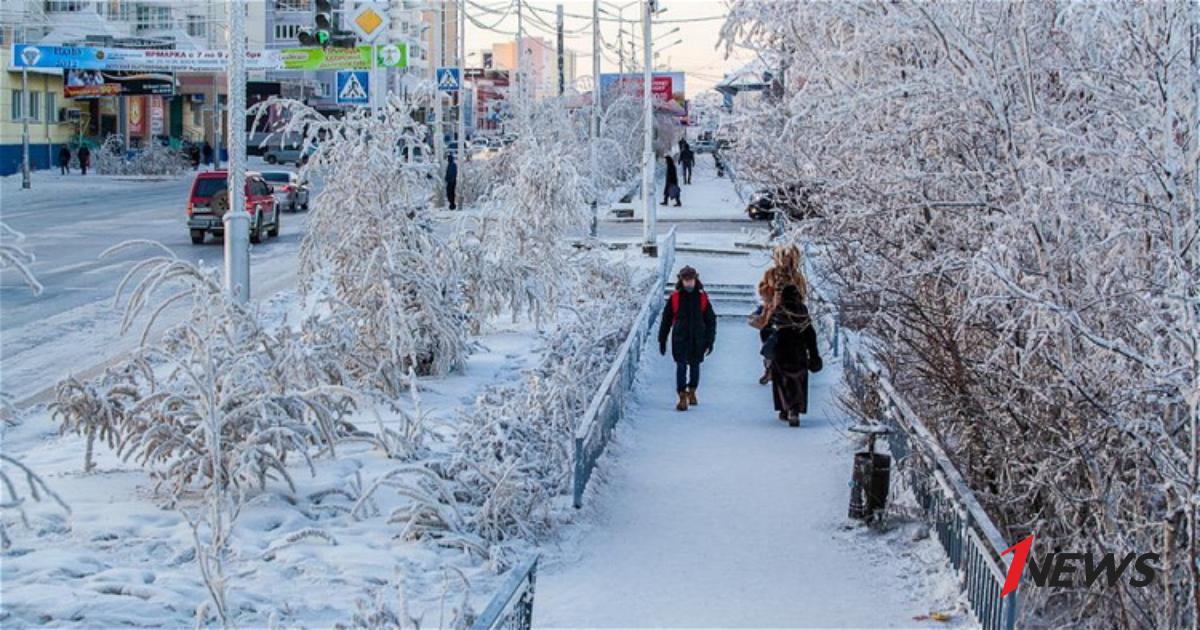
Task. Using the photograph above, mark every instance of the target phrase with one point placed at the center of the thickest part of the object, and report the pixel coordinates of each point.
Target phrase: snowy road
(723, 516)
(68, 222)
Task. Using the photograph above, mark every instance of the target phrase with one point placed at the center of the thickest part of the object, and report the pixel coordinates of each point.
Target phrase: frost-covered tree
(153, 159)
(387, 280)
(13, 255)
(1010, 208)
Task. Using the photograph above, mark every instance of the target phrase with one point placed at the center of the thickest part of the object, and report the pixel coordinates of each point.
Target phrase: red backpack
(675, 304)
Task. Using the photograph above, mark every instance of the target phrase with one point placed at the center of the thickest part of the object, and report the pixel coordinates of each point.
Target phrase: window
(51, 107)
(293, 5)
(17, 98)
(286, 31)
(34, 111)
(196, 26)
(152, 18)
(63, 6)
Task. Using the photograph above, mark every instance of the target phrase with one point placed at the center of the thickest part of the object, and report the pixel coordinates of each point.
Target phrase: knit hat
(687, 272)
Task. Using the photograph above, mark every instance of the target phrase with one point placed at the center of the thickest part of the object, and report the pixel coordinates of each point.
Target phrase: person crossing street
(690, 322)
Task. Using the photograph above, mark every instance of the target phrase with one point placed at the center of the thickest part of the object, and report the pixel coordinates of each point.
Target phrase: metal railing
(512, 606)
(608, 403)
(971, 540)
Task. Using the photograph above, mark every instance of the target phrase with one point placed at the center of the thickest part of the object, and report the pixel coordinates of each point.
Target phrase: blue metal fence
(512, 606)
(971, 540)
(608, 404)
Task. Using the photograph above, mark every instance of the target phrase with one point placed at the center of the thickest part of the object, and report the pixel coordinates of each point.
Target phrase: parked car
(290, 193)
(209, 201)
(704, 146)
(796, 200)
(287, 154)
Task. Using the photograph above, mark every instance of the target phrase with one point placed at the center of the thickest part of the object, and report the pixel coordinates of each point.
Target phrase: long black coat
(796, 353)
(672, 174)
(692, 331)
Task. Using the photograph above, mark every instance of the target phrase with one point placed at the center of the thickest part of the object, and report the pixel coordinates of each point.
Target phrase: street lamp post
(595, 115)
(649, 239)
(236, 220)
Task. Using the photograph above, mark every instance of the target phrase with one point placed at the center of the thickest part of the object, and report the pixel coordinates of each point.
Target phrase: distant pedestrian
(208, 154)
(194, 155)
(451, 180)
(688, 319)
(85, 159)
(718, 162)
(683, 145)
(671, 189)
(793, 352)
(687, 159)
(64, 159)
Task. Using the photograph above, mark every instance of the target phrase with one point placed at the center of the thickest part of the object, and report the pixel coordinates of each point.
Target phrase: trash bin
(870, 476)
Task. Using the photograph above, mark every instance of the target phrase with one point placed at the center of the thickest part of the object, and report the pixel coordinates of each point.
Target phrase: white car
(290, 193)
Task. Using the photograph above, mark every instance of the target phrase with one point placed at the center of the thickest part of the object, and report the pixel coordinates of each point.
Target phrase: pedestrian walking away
(784, 271)
(208, 154)
(64, 159)
(671, 189)
(687, 159)
(85, 159)
(719, 163)
(451, 180)
(690, 322)
(793, 351)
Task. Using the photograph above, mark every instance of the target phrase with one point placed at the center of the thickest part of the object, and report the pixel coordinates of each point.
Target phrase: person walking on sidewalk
(207, 152)
(688, 319)
(687, 160)
(671, 189)
(85, 159)
(451, 180)
(793, 352)
(64, 159)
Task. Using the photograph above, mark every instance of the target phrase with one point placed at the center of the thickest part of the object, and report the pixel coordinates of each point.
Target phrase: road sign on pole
(449, 79)
(353, 87)
(369, 20)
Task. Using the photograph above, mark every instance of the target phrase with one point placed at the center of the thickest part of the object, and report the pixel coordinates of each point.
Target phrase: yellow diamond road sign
(369, 21)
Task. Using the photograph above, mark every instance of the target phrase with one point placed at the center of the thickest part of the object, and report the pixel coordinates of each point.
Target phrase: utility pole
(562, 78)
(595, 128)
(649, 239)
(520, 54)
(439, 130)
(236, 220)
(25, 165)
(463, 153)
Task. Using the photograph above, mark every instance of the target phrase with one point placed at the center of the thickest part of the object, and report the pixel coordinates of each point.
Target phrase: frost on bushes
(153, 159)
(515, 443)
(387, 282)
(12, 254)
(219, 377)
(1015, 225)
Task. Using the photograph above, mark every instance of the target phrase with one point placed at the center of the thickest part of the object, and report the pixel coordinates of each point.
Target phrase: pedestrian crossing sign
(449, 79)
(352, 87)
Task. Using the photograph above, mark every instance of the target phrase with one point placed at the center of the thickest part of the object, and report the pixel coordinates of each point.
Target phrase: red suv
(209, 201)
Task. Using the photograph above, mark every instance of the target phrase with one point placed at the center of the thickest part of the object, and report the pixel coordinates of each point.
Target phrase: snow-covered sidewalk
(723, 516)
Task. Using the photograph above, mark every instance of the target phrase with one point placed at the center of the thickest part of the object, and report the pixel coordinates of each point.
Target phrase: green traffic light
(323, 37)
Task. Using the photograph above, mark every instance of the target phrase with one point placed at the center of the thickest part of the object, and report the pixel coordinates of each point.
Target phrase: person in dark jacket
(208, 154)
(451, 180)
(795, 355)
(64, 159)
(85, 159)
(718, 162)
(671, 189)
(689, 320)
(687, 160)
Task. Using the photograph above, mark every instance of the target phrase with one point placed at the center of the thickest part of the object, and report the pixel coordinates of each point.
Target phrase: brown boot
(683, 402)
(691, 394)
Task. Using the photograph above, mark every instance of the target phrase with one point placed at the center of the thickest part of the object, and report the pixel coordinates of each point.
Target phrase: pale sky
(696, 55)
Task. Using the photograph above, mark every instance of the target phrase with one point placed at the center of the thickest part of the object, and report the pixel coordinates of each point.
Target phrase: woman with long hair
(793, 354)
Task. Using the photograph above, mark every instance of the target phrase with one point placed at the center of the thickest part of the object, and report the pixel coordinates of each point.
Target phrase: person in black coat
(689, 320)
(208, 154)
(85, 159)
(687, 159)
(451, 180)
(671, 189)
(795, 355)
(64, 159)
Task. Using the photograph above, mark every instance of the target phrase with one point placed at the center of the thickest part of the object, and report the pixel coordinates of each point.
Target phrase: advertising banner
(136, 59)
(664, 86)
(137, 116)
(156, 115)
(94, 83)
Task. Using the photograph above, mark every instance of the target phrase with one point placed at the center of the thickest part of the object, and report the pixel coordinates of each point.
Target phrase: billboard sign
(142, 60)
(95, 83)
(664, 86)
